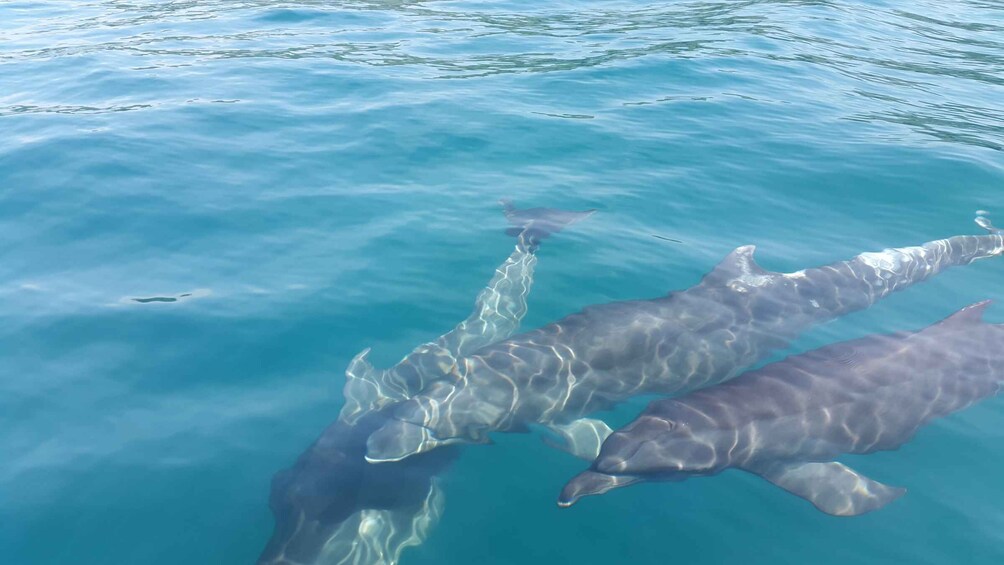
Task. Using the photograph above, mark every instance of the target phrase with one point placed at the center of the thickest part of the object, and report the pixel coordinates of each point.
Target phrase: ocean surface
(208, 207)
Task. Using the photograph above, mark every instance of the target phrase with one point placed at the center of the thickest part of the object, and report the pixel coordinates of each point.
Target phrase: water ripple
(896, 65)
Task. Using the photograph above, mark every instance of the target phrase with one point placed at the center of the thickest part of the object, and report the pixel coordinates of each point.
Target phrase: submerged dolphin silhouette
(534, 224)
(332, 507)
(788, 421)
(689, 339)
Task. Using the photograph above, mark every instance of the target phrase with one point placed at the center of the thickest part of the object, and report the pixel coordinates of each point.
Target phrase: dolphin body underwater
(686, 340)
(334, 508)
(789, 420)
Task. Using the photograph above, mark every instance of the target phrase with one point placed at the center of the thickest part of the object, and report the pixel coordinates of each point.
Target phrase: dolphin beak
(589, 483)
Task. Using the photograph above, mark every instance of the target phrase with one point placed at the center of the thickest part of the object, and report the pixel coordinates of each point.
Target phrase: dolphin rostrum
(788, 421)
(334, 508)
(683, 341)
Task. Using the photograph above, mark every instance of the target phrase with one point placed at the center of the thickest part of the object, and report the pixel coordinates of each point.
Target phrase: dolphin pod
(686, 340)
(788, 421)
(334, 508)
(367, 488)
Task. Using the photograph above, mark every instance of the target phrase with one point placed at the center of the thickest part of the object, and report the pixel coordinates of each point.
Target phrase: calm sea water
(321, 177)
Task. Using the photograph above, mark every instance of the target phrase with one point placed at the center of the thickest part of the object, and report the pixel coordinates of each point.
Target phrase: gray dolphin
(334, 508)
(689, 339)
(788, 421)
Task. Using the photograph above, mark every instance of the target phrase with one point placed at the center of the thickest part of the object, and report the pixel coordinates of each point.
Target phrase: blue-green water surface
(320, 177)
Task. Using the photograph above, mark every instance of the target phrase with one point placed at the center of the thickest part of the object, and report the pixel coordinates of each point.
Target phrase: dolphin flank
(788, 421)
(683, 341)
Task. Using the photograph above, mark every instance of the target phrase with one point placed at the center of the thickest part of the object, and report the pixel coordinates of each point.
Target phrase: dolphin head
(588, 483)
(444, 414)
(650, 448)
(309, 503)
(321, 504)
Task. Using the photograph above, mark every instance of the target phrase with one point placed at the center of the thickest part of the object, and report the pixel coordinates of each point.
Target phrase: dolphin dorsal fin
(366, 389)
(972, 314)
(739, 264)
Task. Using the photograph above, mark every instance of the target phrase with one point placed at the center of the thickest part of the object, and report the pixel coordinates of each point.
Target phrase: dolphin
(686, 340)
(334, 508)
(788, 421)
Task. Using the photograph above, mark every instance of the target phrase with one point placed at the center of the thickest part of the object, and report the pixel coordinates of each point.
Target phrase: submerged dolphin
(689, 339)
(334, 508)
(788, 421)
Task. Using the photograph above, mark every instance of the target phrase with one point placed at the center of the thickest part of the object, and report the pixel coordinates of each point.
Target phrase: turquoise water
(321, 177)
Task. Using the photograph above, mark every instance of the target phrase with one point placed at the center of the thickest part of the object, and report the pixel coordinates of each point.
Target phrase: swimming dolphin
(689, 339)
(334, 508)
(788, 421)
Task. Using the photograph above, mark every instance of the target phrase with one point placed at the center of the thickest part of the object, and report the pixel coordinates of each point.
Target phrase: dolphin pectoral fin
(832, 487)
(582, 438)
(985, 223)
(397, 440)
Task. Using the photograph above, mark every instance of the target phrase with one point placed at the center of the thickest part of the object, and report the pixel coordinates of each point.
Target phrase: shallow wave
(890, 62)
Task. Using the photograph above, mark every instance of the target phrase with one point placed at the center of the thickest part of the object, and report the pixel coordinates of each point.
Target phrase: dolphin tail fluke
(832, 487)
(532, 225)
